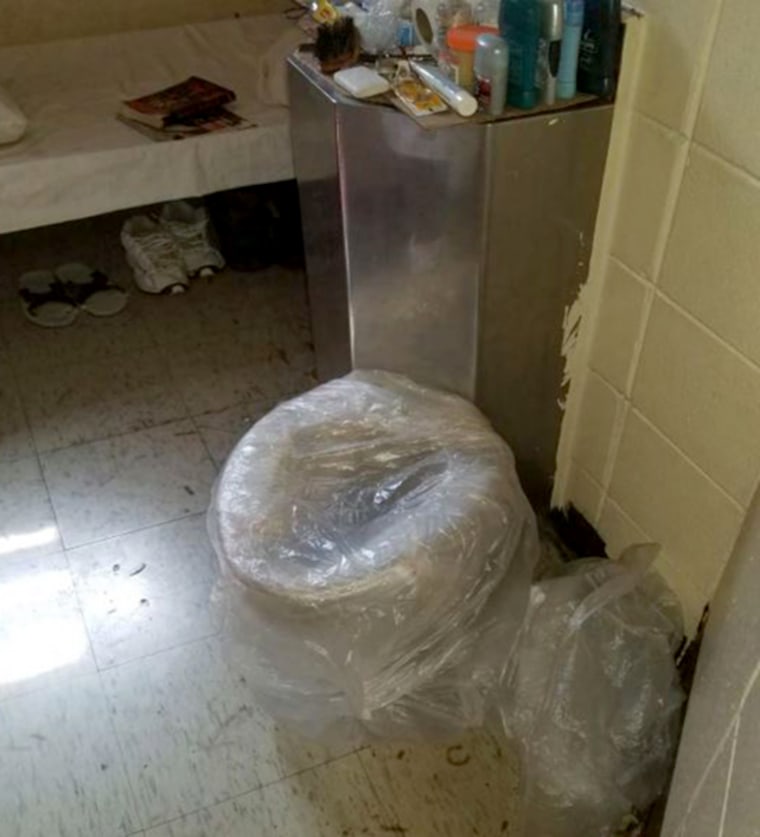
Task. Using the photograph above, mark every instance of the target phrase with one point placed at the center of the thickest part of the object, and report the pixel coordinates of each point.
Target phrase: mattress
(78, 160)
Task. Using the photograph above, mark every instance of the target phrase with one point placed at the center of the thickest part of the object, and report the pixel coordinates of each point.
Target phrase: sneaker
(153, 256)
(190, 225)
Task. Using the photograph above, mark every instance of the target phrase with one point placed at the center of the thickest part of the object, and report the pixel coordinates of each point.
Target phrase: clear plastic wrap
(378, 22)
(593, 698)
(378, 552)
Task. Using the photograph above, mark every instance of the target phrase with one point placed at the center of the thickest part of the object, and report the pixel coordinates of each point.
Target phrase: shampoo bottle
(549, 49)
(571, 41)
(600, 48)
(520, 25)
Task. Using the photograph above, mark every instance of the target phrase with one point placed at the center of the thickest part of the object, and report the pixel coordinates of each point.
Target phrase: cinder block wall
(661, 440)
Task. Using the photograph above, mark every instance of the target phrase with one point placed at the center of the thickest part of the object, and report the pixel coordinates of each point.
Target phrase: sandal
(91, 289)
(45, 301)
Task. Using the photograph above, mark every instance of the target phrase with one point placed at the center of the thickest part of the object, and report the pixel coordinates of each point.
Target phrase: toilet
(371, 532)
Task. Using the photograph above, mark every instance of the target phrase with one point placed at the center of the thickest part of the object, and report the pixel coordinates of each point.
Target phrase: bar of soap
(361, 82)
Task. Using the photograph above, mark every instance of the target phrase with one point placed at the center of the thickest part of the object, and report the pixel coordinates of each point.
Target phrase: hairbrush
(337, 45)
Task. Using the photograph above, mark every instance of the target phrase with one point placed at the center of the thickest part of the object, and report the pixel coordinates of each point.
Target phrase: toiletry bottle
(491, 67)
(462, 43)
(442, 23)
(571, 40)
(549, 46)
(600, 48)
(519, 22)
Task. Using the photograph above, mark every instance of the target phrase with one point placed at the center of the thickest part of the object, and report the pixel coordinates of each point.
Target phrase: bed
(78, 160)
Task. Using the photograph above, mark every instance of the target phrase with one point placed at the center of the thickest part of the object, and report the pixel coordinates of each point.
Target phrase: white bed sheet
(78, 160)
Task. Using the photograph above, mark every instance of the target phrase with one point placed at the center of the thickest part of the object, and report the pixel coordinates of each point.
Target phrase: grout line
(132, 791)
(638, 343)
(749, 177)
(48, 492)
(627, 396)
(645, 281)
(385, 806)
(57, 683)
(579, 468)
(216, 465)
(671, 203)
(635, 524)
(606, 220)
(737, 353)
(702, 65)
(729, 777)
(119, 435)
(616, 433)
(629, 404)
(659, 124)
(217, 634)
(86, 627)
(252, 790)
(621, 418)
(661, 294)
(189, 416)
(115, 536)
(315, 767)
(652, 426)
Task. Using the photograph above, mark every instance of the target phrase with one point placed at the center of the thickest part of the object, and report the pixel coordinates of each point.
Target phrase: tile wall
(663, 429)
(661, 437)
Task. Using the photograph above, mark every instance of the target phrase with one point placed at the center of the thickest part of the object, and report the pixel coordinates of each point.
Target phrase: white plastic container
(361, 82)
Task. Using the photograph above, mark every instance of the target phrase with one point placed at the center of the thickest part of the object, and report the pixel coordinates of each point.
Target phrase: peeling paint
(571, 326)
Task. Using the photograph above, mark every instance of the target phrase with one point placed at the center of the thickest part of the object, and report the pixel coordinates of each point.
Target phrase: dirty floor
(123, 710)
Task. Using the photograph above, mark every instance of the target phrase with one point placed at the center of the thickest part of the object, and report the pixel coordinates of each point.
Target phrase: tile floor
(121, 709)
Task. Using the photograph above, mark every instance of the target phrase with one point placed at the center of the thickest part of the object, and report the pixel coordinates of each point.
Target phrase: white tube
(454, 96)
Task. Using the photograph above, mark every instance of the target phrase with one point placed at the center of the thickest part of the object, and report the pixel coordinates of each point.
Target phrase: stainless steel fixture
(449, 254)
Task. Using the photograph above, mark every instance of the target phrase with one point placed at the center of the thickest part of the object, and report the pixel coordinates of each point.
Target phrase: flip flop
(91, 289)
(44, 300)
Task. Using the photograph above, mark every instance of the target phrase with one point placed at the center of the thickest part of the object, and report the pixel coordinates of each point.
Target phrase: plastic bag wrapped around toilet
(378, 550)
(594, 699)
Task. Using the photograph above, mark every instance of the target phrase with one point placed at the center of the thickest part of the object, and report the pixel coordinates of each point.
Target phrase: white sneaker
(190, 227)
(153, 256)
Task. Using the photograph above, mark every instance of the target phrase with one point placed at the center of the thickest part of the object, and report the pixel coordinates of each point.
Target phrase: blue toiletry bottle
(520, 26)
(600, 48)
(571, 41)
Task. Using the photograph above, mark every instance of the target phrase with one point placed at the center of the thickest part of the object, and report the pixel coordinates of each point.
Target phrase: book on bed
(187, 100)
(220, 120)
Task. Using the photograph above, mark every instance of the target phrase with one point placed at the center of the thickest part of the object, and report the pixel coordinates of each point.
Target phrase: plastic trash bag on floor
(594, 698)
(378, 550)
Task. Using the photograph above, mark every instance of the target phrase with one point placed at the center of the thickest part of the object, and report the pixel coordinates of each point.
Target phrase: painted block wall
(661, 438)
(26, 22)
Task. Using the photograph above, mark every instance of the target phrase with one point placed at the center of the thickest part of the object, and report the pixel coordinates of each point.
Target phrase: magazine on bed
(177, 103)
(193, 107)
(220, 120)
